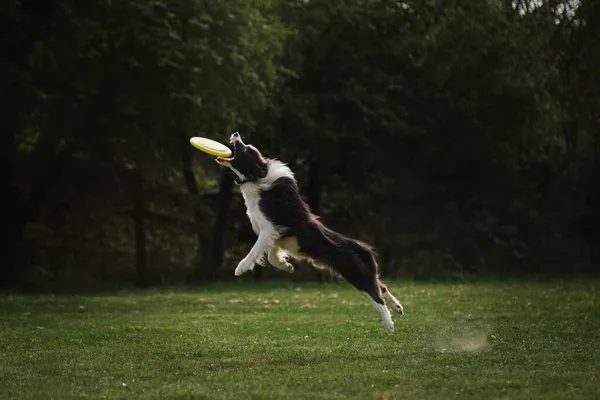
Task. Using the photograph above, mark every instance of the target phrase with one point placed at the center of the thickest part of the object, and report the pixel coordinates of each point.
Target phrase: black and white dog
(286, 228)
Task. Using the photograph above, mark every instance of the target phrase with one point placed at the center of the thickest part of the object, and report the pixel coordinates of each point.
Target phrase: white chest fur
(251, 193)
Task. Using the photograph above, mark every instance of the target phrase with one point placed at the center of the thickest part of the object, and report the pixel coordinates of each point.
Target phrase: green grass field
(306, 341)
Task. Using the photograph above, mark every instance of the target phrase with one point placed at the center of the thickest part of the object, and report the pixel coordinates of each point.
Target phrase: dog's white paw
(393, 302)
(397, 307)
(281, 262)
(285, 265)
(289, 267)
(388, 324)
(242, 267)
(386, 319)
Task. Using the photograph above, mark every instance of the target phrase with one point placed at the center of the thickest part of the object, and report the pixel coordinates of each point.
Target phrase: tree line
(460, 138)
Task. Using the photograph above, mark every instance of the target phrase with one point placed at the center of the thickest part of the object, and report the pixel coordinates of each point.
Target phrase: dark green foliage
(469, 129)
(453, 111)
(99, 88)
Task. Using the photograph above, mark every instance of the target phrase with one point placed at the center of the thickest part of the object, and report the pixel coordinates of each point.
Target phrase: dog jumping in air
(286, 229)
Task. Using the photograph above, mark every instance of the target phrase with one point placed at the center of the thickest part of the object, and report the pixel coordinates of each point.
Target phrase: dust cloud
(466, 341)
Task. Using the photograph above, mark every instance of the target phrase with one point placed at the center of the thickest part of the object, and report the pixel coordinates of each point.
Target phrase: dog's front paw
(243, 266)
(287, 266)
(283, 264)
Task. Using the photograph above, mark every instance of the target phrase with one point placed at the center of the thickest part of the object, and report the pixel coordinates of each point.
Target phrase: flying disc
(210, 146)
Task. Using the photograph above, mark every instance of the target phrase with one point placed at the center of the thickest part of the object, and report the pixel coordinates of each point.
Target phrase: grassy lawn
(307, 341)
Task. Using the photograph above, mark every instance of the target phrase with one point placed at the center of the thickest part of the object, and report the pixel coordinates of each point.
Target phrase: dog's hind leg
(374, 293)
(391, 300)
(379, 304)
(278, 259)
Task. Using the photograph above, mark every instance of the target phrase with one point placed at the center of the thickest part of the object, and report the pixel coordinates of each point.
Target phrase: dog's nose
(235, 137)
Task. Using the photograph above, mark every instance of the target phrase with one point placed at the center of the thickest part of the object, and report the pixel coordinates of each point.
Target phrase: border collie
(286, 228)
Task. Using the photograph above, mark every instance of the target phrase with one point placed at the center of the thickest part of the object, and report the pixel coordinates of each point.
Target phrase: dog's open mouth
(228, 159)
(235, 141)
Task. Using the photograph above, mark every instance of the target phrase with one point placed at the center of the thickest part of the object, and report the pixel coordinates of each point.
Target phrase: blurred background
(460, 138)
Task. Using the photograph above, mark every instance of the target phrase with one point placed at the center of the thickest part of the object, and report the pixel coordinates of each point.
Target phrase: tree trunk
(194, 192)
(8, 128)
(592, 223)
(139, 229)
(206, 267)
(21, 38)
(214, 260)
(48, 165)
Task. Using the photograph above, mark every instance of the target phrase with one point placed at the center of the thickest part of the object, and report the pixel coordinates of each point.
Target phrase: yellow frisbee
(210, 146)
